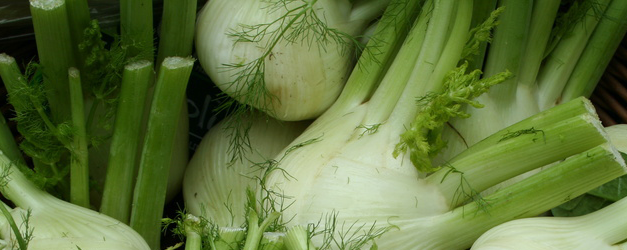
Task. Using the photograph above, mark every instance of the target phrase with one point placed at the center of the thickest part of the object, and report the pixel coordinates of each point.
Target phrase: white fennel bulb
(253, 51)
(61, 225)
(55, 224)
(213, 168)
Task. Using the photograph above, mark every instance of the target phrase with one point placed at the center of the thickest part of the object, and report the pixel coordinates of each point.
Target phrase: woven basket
(610, 96)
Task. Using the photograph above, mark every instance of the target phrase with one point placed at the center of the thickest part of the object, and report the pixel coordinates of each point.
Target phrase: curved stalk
(378, 55)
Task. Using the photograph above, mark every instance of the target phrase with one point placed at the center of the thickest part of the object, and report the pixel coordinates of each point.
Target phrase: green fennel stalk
(11, 75)
(177, 29)
(386, 92)
(256, 228)
(484, 164)
(595, 58)
(78, 18)
(193, 241)
(543, 12)
(136, 28)
(150, 188)
(59, 132)
(7, 142)
(388, 37)
(55, 52)
(126, 141)
(552, 79)
(79, 163)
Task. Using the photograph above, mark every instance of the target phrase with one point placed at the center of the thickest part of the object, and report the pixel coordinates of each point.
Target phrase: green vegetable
(149, 191)
(55, 51)
(46, 222)
(604, 195)
(362, 174)
(126, 139)
(603, 229)
(554, 55)
(67, 119)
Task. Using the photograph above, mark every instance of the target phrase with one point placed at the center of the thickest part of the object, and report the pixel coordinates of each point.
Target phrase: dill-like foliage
(464, 191)
(369, 129)
(423, 138)
(514, 134)
(27, 229)
(481, 34)
(346, 236)
(271, 201)
(43, 140)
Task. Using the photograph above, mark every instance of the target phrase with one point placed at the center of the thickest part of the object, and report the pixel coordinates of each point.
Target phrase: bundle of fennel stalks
(349, 124)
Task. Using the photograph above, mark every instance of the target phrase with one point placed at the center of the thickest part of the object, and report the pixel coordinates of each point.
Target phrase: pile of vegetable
(347, 124)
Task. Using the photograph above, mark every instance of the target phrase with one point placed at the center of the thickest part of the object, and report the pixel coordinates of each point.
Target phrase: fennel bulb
(56, 224)
(287, 58)
(364, 187)
(347, 180)
(214, 171)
